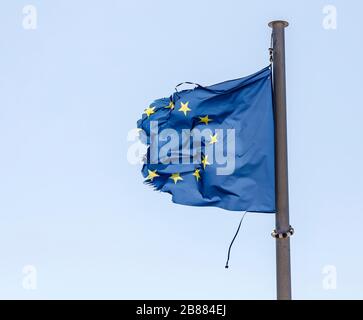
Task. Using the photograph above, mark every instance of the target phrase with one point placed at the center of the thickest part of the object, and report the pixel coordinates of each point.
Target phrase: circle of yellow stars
(184, 108)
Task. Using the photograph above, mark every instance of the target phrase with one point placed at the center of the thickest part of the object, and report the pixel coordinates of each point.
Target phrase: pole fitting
(283, 235)
(278, 23)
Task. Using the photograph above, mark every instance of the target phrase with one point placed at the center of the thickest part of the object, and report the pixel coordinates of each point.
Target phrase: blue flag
(214, 146)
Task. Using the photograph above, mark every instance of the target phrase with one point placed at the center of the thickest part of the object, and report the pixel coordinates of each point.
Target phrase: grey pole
(283, 270)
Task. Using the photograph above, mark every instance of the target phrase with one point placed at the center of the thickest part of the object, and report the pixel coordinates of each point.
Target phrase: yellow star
(152, 175)
(170, 106)
(213, 139)
(176, 177)
(205, 120)
(196, 174)
(149, 111)
(184, 108)
(205, 161)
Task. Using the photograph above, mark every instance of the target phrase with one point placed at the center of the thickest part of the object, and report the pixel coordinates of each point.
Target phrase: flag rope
(230, 246)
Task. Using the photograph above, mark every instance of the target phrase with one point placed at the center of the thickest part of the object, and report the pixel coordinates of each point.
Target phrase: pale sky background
(74, 208)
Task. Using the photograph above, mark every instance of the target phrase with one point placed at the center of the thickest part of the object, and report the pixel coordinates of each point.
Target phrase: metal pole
(283, 269)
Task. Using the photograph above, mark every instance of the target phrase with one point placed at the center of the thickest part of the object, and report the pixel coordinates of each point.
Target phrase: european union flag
(214, 146)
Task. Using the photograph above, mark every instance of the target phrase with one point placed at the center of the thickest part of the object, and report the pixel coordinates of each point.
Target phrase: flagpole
(283, 229)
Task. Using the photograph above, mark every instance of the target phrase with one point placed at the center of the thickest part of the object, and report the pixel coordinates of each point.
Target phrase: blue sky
(75, 209)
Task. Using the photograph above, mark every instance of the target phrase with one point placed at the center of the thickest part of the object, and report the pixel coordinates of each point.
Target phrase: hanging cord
(234, 238)
(186, 82)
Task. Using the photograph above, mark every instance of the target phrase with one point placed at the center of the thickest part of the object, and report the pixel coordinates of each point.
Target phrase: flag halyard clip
(283, 235)
(271, 49)
(271, 54)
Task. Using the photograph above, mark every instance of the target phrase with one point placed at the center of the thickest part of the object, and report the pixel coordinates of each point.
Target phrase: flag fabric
(214, 146)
